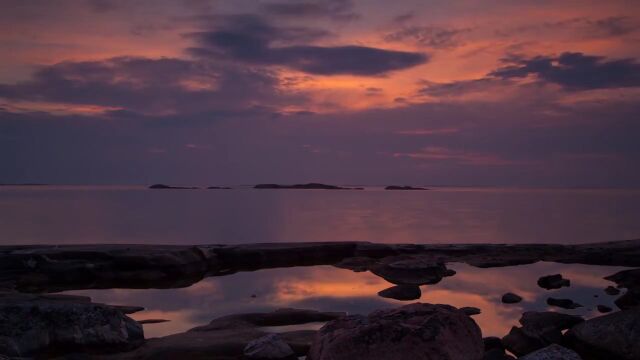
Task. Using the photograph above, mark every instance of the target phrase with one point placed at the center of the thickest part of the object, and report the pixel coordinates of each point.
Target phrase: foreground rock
(43, 326)
(629, 279)
(309, 186)
(269, 347)
(553, 352)
(553, 282)
(402, 292)
(416, 331)
(539, 329)
(511, 298)
(612, 336)
(395, 187)
(168, 187)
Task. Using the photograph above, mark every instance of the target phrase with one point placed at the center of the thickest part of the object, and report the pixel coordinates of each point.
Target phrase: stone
(35, 326)
(269, 347)
(552, 352)
(610, 290)
(402, 292)
(604, 309)
(511, 298)
(629, 279)
(553, 282)
(611, 336)
(152, 321)
(470, 310)
(416, 331)
(539, 329)
(496, 354)
(563, 303)
(410, 271)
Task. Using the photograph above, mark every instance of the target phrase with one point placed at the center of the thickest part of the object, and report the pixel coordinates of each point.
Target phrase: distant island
(167, 187)
(218, 188)
(312, 186)
(395, 187)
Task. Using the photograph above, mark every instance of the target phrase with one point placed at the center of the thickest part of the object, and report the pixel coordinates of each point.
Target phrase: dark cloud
(573, 71)
(613, 26)
(430, 36)
(335, 9)
(252, 40)
(149, 85)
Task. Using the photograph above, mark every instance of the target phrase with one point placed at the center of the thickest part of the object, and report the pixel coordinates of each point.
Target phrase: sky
(461, 93)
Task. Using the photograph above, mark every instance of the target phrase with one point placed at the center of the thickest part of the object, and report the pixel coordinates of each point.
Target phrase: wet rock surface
(402, 292)
(32, 325)
(612, 336)
(553, 282)
(553, 352)
(417, 331)
(539, 329)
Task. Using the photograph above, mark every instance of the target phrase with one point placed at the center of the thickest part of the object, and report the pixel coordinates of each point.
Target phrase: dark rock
(395, 187)
(563, 303)
(34, 326)
(604, 309)
(610, 290)
(218, 188)
(492, 342)
(127, 309)
(356, 264)
(167, 187)
(470, 310)
(309, 186)
(280, 317)
(611, 336)
(269, 347)
(553, 282)
(152, 321)
(496, 354)
(553, 352)
(511, 298)
(416, 331)
(539, 329)
(410, 271)
(629, 279)
(402, 292)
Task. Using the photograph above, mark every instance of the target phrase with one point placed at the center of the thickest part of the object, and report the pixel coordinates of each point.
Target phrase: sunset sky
(500, 93)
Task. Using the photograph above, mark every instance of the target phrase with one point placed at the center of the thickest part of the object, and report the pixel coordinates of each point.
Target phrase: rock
(494, 349)
(604, 309)
(492, 342)
(496, 354)
(34, 326)
(309, 186)
(629, 279)
(539, 329)
(553, 352)
(280, 317)
(511, 298)
(127, 309)
(610, 290)
(395, 187)
(402, 292)
(218, 188)
(416, 331)
(167, 187)
(152, 321)
(611, 336)
(563, 303)
(410, 271)
(553, 282)
(470, 310)
(269, 347)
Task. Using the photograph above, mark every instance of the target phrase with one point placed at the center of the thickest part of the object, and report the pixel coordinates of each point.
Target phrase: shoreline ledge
(50, 268)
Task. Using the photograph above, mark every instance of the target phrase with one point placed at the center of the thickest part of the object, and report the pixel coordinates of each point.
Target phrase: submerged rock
(511, 298)
(612, 336)
(563, 303)
(416, 331)
(539, 329)
(35, 326)
(269, 347)
(553, 352)
(402, 292)
(553, 282)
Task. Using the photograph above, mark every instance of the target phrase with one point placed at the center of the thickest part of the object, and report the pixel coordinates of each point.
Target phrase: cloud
(580, 27)
(573, 71)
(341, 10)
(433, 153)
(429, 36)
(252, 40)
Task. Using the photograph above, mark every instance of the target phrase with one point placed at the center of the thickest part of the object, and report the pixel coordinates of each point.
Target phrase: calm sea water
(108, 214)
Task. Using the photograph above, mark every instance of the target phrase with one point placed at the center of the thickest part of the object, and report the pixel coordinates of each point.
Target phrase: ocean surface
(135, 214)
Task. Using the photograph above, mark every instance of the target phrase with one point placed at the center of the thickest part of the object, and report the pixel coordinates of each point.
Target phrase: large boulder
(553, 352)
(269, 347)
(612, 336)
(45, 326)
(539, 329)
(417, 331)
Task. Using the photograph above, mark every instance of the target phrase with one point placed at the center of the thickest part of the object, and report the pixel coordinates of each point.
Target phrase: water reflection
(327, 288)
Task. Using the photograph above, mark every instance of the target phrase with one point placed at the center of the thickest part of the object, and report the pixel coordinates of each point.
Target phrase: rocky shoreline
(37, 324)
